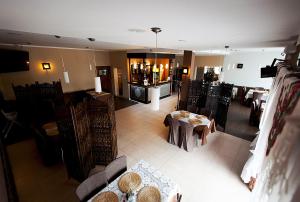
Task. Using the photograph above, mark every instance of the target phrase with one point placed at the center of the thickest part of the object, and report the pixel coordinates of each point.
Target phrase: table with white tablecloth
(249, 94)
(188, 122)
(150, 177)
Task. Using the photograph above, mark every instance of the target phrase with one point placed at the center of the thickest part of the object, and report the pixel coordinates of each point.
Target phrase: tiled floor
(208, 173)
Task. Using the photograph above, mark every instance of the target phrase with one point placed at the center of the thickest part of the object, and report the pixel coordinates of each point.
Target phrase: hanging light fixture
(156, 89)
(65, 73)
(98, 87)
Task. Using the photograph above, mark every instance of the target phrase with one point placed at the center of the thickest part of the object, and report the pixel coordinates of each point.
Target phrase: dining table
(188, 122)
(264, 97)
(150, 176)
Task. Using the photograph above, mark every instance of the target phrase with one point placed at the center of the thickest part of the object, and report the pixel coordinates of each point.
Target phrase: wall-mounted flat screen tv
(13, 61)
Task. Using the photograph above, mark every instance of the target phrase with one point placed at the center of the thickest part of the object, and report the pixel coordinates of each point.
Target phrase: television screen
(268, 71)
(13, 61)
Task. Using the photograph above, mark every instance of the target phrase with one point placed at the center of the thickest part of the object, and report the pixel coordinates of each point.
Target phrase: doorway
(104, 72)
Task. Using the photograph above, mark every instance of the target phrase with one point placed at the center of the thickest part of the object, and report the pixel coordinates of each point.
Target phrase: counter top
(151, 85)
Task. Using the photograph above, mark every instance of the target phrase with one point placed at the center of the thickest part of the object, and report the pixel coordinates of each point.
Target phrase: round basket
(129, 182)
(149, 194)
(107, 196)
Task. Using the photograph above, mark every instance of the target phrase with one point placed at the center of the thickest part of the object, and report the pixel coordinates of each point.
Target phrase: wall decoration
(239, 66)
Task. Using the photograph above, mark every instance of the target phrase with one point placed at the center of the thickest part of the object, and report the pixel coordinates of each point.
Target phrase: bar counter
(142, 93)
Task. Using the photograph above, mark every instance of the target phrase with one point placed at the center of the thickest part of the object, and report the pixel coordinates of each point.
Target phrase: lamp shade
(66, 77)
(98, 87)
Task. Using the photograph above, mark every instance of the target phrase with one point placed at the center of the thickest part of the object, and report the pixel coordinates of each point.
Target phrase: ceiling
(186, 25)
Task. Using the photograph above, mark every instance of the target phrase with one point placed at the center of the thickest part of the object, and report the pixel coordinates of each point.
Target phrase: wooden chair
(92, 185)
(204, 131)
(207, 131)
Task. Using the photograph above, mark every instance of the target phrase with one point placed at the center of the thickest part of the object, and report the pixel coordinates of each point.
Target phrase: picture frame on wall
(239, 66)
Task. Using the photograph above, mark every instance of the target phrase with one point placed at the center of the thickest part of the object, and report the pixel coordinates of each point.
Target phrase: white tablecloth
(251, 91)
(204, 121)
(150, 176)
(234, 92)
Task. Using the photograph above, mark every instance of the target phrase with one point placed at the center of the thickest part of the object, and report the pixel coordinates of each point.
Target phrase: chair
(226, 90)
(257, 96)
(97, 180)
(207, 130)
(91, 186)
(11, 119)
(173, 137)
(252, 113)
(241, 94)
(222, 110)
(206, 112)
(255, 113)
(48, 144)
(116, 168)
(203, 131)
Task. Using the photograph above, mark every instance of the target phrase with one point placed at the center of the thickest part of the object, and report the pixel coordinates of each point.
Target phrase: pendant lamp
(156, 89)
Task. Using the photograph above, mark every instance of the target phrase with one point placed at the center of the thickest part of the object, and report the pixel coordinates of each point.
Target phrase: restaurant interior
(159, 108)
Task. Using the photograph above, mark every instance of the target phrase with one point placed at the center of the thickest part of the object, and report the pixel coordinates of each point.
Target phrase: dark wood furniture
(92, 126)
(101, 111)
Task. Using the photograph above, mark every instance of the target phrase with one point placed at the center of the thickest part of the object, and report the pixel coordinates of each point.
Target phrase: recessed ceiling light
(91, 39)
(57, 36)
(137, 30)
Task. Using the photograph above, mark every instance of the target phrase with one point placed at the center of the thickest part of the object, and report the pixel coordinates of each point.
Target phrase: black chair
(213, 95)
(222, 110)
(49, 147)
(226, 90)
(241, 94)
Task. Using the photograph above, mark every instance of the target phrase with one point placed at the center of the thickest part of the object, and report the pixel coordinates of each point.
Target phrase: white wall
(249, 75)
